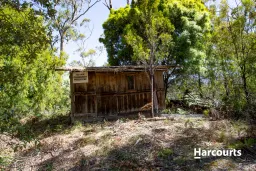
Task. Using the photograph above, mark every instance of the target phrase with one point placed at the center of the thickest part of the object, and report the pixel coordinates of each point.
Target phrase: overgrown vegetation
(211, 46)
(214, 44)
(133, 145)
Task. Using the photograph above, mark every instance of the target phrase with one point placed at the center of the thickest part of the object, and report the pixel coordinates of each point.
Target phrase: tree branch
(85, 11)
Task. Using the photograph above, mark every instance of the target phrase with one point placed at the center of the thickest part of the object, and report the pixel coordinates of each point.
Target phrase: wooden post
(152, 93)
(72, 97)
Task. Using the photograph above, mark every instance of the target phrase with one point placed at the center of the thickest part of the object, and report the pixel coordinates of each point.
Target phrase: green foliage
(47, 167)
(194, 99)
(40, 7)
(181, 111)
(222, 136)
(168, 111)
(124, 156)
(206, 112)
(165, 153)
(246, 143)
(77, 125)
(224, 77)
(171, 32)
(29, 84)
(188, 123)
(149, 34)
(232, 52)
(4, 162)
(119, 52)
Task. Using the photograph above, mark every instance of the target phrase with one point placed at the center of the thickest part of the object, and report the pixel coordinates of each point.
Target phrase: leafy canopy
(28, 82)
(184, 22)
(178, 30)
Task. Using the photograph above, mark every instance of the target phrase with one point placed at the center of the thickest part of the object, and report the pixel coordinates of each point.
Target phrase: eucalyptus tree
(234, 44)
(70, 16)
(191, 26)
(149, 35)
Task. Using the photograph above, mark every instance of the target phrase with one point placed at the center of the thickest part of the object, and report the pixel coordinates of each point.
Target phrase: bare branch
(89, 7)
(108, 5)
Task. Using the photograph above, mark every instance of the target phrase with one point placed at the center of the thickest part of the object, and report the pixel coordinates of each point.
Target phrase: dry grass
(132, 145)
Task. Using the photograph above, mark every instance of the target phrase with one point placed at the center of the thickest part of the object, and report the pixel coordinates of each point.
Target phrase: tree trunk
(245, 84)
(152, 91)
(128, 2)
(200, 85)
(61, 46)
(155, 99)
(226, 86)
(110, 4)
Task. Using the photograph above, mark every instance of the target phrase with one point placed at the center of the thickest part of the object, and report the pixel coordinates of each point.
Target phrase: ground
(131, 145)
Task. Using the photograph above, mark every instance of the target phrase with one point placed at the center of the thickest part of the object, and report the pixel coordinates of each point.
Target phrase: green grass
(241, 144)
(165, 153)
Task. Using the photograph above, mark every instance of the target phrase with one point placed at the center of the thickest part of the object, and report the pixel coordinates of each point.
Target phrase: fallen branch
(160, 118)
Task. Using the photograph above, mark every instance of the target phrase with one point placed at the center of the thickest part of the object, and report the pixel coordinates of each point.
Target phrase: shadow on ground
(47, 126)
(153, 152)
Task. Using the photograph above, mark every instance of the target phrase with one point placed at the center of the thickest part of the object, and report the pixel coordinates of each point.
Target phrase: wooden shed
(112, 92)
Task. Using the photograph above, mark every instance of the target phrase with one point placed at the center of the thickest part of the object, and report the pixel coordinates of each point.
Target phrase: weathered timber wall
(107, 94)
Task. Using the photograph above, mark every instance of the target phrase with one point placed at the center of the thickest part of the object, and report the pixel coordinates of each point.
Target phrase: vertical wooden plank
(91, 83)
(125, 103)
(109, 102)
(134, 101)
(141, 100)
(130, 102)
(96, 95)
(105, 84)
(86, 104)
(72, 97)
(117, 105)
(138, 101)
(107, 106)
